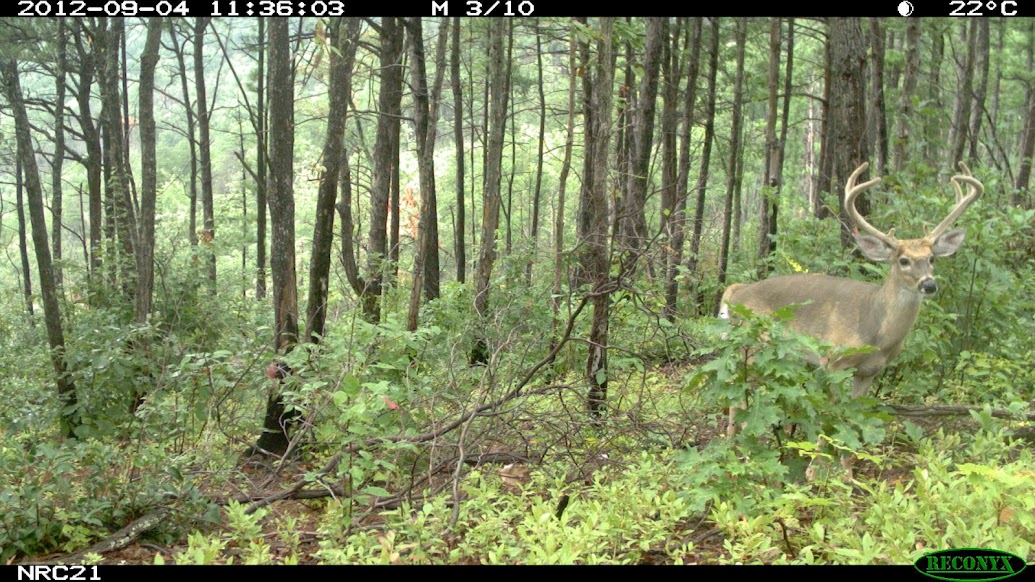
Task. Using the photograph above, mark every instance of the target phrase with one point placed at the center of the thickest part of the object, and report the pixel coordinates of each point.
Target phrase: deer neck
(897, 306)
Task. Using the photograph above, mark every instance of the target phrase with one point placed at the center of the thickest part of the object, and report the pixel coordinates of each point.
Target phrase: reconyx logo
(968, 564)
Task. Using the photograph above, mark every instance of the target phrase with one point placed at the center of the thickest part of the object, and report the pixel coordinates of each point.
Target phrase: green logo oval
(968, 564)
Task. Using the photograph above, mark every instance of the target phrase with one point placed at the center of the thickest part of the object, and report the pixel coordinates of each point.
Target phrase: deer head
(911, 259)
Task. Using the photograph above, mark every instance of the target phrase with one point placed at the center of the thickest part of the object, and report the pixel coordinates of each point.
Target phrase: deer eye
(904, 262)
(930, 260)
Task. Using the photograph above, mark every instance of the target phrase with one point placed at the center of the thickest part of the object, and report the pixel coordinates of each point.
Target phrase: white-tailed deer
(850, 313)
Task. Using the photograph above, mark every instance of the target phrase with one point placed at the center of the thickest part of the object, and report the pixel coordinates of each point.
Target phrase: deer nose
(928, 286)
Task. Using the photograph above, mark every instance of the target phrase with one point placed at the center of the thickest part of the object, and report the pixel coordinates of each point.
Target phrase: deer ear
(874, 248)
(948, 243)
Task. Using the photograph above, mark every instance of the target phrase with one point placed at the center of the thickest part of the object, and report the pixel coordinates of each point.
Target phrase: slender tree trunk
(981, 67)
(706, 154)
(344, 34)
(499, 93)
(677, 223)
(389, 98)
(562, 182)
(427, 229)
(536, 194)
(208, 233)
(877, 112)
(598, 87)
(148, 173)
(192, 231)
(909, 79)
(261, 166)
(92, 141)
(458, 137)
(933, 125)
(731, 172)
(281, 200)
(121, 215)
(48, 288)
(770, 180)
(634, 224)
(964, 96)
(59, 153)
(23, 246)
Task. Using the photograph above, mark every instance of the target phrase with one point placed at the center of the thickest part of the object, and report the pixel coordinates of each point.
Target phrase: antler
(852, 192)
(974, 191)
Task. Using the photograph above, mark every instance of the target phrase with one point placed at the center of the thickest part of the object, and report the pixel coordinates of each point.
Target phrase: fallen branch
(117, 540)
(947, 410)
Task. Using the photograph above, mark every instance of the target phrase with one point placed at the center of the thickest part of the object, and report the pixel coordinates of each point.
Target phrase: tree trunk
(23, 246)
(878, 116)
(148, 173)
(706, 155)
(426, 252)
(92, 141)
(458, 137)
(48, 289)
(208, 233)
(389, 99)
(499, 94)
(909, 79)
(964, 95)
(933, 125)
(677, 222)
(281, 200)
(261, 166)
(59, 153)
(562, 182)
(121, 212)
(598, 86)
(981, 66)
(641, 140)
(192, 231)
(731, 171)
(536, 194)
(344, 34)
(847, 112)
(770, 180)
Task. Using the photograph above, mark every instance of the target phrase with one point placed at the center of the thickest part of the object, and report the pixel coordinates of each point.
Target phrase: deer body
(856, 314)
(851, 313)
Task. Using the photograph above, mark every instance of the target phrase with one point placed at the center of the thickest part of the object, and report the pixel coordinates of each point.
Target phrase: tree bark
(281, 200)
(23, 246)
(148, 173)
(208, 233)
(458, 137)
(92, 141)
(847, 111)
(426, 252)
(48, 289)
(977, 110)
(677, 222)
(389, 99)
(706, 154)
(59, 152)
(499, 93)
(344, 34)
(731, 171)
(909, 79)
(261, 166)
(598, 85)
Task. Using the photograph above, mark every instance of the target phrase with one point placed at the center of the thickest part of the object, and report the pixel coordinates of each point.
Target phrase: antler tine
(851, 193)
(974, 191)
